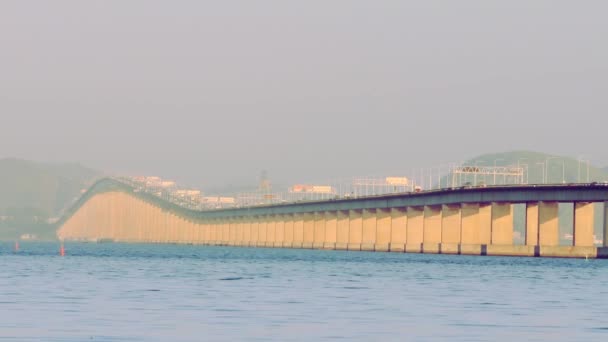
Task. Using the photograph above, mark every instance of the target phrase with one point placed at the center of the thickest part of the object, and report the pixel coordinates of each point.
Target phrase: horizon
(227, 188)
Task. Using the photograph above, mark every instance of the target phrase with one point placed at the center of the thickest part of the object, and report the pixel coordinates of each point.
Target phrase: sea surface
(132, 292)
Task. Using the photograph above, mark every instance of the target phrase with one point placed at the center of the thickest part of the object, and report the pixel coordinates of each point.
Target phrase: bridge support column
(255, 231)
(398, 230)
(415, 230)
(271, 231)
(319, 234)
(298, 231)
(288, 241)
(262, 231)
(502, 224)
(232, 231)
(199, 235)
(548, 228)
(204, 232)
(451, 229)
(309, 230)
(532, 223)
(368, 234)
(605, 238)
(168, 221)
(240, 231)
(355, 230)
(383, 230)
(279, 234)
(432, 229)
(331, 230)
(470, 241)
(584, 220)
(245, 231)
(185, 231)
(343, 230)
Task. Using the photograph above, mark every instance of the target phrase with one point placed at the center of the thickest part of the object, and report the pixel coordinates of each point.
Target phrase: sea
(147, 292)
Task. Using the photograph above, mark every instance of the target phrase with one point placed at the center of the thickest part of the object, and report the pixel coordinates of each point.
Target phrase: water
(120, 292)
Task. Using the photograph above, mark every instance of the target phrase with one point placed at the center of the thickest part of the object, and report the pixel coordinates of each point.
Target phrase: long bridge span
(473, 221)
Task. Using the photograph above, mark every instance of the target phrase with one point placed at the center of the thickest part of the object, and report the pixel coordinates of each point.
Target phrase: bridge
(464, 220)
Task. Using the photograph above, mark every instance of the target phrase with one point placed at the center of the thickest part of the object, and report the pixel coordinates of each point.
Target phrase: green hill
(542, 167)
(33, 194)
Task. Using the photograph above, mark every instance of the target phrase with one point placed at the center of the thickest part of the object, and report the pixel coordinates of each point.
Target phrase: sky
(214, 92)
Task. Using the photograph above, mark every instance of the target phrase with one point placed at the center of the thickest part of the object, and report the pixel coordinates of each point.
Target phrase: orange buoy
(62, 250)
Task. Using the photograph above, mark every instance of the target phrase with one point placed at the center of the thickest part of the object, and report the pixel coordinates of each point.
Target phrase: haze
(214, 92)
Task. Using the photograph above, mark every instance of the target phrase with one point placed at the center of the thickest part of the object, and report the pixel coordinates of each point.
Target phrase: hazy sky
(212, 92)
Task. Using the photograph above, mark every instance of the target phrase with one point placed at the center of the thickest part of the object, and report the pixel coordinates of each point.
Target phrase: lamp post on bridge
(495, 160)
(542, 164)
(524, 181)
(476, 172)
(563, 169)
(581, 160)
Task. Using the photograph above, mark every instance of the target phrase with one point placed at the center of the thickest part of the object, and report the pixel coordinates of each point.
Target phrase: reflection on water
(120, 292)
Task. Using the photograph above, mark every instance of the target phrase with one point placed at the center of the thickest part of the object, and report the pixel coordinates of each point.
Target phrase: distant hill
(559, 168)
(32, 194)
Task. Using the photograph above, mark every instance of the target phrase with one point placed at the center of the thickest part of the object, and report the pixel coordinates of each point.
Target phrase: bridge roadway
(475, 221)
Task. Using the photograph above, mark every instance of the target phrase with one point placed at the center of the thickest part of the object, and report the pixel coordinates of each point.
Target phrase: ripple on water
(119, 292)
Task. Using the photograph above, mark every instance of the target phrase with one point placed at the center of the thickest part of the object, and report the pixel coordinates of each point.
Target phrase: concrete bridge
(474, 221)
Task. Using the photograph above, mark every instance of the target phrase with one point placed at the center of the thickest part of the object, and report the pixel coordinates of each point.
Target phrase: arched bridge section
(475, 221)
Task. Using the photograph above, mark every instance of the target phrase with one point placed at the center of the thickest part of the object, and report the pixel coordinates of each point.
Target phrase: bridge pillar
(470, 235)
(584, 220)
(415, 230)
(262, 230)
(485, 223)
(342, 230)
(398, 223)
(279, 235)
(241, 240)
(174, 228)
(186, 231)
(157, 224)
(331, 230)
(298, 231)
(246, 231)
(383, 230)
(502, 224)
(231, 231)
(368, 233)
(319, 233)
(196, 237)
(605, 228)
(309, 230)
(548, 227)
(146, 218)
(355, 228)
(532, 223)
(206, 231)
(271, 231)
(470, 224)
(289, 231)
(198, 231)
(255, 231)
(432, 229)
(451, 229)
(150, 224)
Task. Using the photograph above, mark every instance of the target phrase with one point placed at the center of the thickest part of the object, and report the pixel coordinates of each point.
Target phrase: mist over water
(122, 292)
